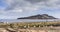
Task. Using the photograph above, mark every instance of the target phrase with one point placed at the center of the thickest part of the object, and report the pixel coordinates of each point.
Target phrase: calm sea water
(27, 20)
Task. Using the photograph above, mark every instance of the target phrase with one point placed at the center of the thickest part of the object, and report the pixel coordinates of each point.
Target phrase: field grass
(29, 24)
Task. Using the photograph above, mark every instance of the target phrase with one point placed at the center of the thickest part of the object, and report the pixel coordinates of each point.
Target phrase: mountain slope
(43, 16)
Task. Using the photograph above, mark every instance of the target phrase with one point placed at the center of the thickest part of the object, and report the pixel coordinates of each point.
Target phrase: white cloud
(26, 5)
(20, 6)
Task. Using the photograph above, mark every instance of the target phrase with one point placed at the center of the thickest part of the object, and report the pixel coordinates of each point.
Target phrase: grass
(29, 24)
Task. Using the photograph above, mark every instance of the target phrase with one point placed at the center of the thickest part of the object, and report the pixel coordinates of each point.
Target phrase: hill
(43, 16)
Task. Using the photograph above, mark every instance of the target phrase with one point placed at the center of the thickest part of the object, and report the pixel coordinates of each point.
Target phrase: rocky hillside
(43, 16)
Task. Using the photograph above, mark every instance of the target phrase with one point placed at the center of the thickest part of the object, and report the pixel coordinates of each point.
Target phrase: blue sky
(12, 9)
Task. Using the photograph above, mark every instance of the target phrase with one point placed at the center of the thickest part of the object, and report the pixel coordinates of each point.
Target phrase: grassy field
(29, 24)
(34, 26)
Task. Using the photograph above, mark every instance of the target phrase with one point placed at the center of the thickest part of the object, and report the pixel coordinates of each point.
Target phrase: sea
(27, 20)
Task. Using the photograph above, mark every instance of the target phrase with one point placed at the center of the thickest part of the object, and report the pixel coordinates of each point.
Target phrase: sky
(13, 9)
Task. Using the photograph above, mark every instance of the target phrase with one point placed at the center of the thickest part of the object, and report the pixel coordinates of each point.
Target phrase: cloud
(36, 1)
(19, 4)
(21, 7)
(31, 4)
